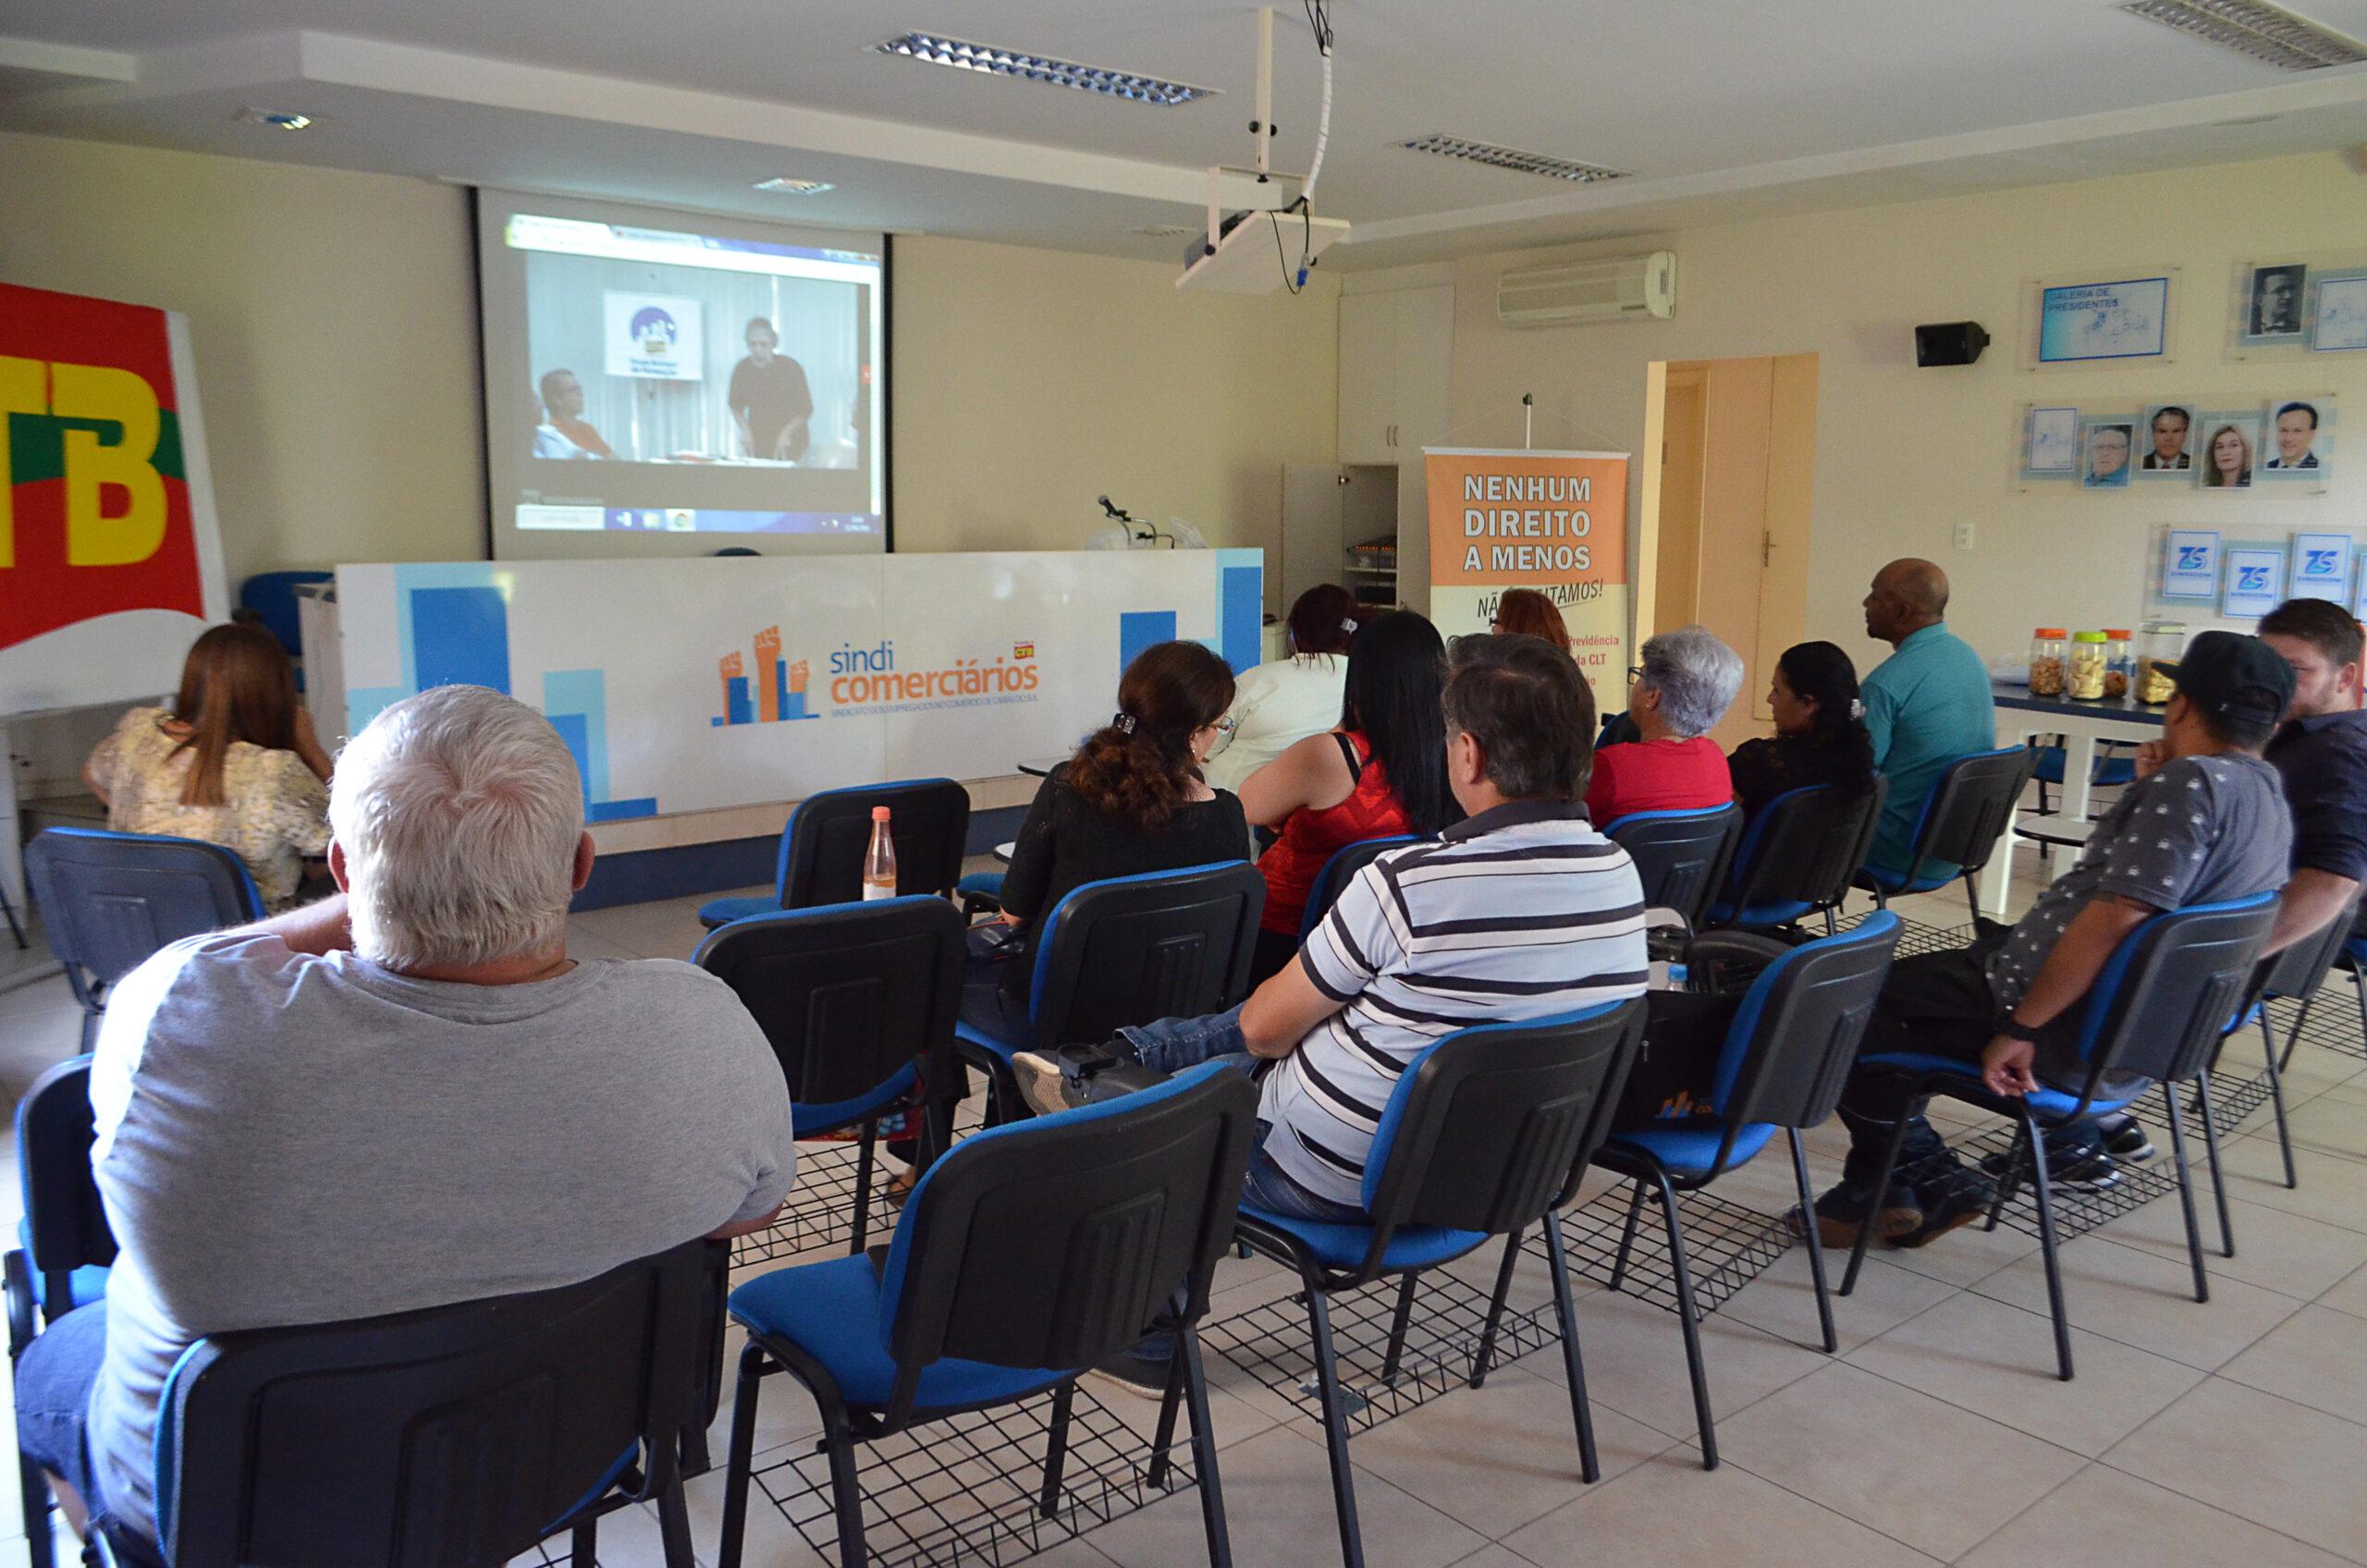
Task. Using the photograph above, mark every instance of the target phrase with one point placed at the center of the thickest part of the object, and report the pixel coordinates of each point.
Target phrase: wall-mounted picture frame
(2339, 321)
(2106, 450)
(2113, 318)
(2229, 452)
(2053, 444)
(2166, 441)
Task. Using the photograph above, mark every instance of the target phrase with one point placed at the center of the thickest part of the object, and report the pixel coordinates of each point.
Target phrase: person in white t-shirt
(1275, 705)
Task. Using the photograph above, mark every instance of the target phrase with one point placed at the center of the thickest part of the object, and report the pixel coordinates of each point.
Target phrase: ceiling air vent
(2255, 30)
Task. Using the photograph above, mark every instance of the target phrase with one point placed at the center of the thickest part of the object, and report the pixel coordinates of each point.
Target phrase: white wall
(1903, 453)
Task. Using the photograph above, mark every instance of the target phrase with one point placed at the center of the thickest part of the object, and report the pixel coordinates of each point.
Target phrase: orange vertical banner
(1555, 521)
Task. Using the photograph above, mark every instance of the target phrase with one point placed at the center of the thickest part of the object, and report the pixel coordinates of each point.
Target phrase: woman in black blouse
(1820, 731)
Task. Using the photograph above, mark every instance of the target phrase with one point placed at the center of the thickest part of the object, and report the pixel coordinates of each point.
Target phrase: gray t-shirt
(285, 1139)
(2201, 830)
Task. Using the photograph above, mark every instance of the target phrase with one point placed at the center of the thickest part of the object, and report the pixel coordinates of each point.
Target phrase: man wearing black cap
(2209, 824)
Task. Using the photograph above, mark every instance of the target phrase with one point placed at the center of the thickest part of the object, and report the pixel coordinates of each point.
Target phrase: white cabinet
(1396, 356)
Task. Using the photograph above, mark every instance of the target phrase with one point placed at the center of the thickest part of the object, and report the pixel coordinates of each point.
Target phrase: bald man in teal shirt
(1926, 705)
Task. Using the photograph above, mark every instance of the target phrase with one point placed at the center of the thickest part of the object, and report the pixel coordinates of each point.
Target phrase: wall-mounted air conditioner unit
(1617, 289)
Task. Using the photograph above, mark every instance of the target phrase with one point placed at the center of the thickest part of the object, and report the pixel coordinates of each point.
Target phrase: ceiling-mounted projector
(1257, 252)
(1259, 249)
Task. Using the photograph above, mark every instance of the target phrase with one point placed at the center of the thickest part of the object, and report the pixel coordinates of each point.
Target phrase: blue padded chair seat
(812, 1121)
(717, 913)
(832, 1311)
(1344, 1245)
(1722, 914)
(2109, 772)
(2045, 1101)
(1001, 1049)
(1692, 1151)
(981, 884)
(87, 1284)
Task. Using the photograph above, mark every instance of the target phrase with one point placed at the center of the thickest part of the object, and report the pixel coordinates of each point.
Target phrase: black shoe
(2125, 1137)
(2086, 1168)
(1950, 1206)
(1842, 1213)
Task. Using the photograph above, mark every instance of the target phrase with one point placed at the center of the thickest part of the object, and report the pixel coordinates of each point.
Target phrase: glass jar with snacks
(2046, 662)
(2120, 669)
(2085, 677)
(2160, 642)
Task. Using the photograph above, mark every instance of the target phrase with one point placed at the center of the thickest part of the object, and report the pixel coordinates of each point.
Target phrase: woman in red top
(1382, 771)
(1687, 680)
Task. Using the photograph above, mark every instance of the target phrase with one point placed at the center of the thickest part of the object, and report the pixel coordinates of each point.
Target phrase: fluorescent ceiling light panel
(783, 185)
(2258, 31)
(1127, 85)
(277, 119)
(1513, 158)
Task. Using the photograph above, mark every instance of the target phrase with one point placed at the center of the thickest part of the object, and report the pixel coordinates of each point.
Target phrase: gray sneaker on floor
(1043, 1085)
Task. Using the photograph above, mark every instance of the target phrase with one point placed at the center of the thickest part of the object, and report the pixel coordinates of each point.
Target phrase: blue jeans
(55, 1378)
(1173, 1044)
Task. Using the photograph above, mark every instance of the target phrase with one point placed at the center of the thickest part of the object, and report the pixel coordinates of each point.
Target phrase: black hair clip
(1124, 723)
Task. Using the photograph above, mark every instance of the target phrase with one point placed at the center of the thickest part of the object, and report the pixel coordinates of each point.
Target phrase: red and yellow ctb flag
(1555, 521)
(98, 516)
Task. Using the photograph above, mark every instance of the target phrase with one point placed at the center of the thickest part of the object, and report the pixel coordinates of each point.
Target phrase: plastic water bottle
(879, 859)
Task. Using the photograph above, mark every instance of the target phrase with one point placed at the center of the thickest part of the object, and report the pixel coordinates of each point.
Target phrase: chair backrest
(1966, 809)
(1131, 949)
(65, 1224)
(1804, 846)
(1055, 1241)
(458, 1435)
(2301, 968)
(1681, 856)
(2158, 1009)
(1491, 1128)
(1794, 1036)
(822, 847)
(848, 994)
(1339, 870)
(110, 900)
(272, 596)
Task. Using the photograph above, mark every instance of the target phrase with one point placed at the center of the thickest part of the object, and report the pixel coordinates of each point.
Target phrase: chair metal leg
(1815, 1242)
(1335, 1432)
(1204, 1451)
(674, 1527)
(1572, 1365)
(1627, 1237)
(846, 1494)
(1397, 1326)
(1486, 1356)
(1686, 1317)
(741, 1458)
(1972, 887)
(1162, 1441)
(584, 1545)
(863, 1160)
(2276, 1092)
(2185, 1202)
(2211, 1154)
(2010, 1182)
(1882, 1190)
(1056, 1452)
(2043, 1189)
(1831, 928)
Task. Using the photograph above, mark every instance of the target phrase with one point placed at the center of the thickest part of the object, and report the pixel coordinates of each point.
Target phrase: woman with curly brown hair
(1131, 801)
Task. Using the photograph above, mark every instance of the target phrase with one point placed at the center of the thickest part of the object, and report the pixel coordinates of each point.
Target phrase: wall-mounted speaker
(1949, 343)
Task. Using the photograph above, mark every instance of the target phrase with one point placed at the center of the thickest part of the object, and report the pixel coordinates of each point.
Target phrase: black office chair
(1785, 1056)
(1027, 1253)
(64, 1248)
(1681, 856)
(110, 900)
(2154, 1015)
(822, 847)
(2297, 973)
(1797, 858)
(858, 1000)
(1965, 814)
(1339, 870)
(1128, 949)
(1487, 1134)
(458, 1434)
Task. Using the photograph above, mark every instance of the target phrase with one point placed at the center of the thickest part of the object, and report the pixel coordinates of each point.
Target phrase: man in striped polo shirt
(1520, 911)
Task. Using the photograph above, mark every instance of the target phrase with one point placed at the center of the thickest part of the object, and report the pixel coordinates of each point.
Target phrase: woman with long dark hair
(232, 762)
(1820, 731)
(1131, 801)
(1382, 771)
(1282, 702)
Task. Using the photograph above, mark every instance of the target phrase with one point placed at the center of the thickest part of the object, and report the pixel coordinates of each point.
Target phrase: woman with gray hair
(1687, 680)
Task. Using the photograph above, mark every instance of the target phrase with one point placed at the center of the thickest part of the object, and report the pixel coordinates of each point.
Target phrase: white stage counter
(731, 686)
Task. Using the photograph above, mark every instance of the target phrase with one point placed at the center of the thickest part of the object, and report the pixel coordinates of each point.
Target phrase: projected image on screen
(678, 382)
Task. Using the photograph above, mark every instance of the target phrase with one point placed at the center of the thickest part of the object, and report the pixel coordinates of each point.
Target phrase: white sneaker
(1041, 1083)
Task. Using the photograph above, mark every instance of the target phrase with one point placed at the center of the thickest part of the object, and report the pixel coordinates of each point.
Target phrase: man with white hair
(1687, 680)
(403, 1096)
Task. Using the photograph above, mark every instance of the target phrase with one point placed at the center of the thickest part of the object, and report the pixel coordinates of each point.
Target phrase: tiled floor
(2229, 1432)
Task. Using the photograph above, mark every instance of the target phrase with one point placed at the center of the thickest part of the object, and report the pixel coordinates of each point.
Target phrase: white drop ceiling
(1723, 108)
